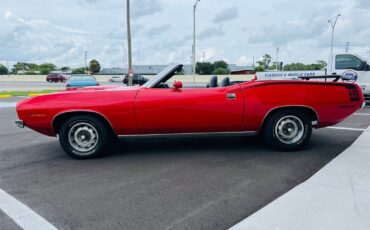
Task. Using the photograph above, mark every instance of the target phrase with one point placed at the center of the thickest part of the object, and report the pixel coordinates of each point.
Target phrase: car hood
(70, 94)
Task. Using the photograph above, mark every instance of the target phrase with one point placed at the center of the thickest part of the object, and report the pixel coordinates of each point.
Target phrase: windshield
(159, 76)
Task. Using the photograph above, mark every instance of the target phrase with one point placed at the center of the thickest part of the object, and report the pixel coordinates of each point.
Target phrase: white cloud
(8, 14)
(226, 15)
(210, 32)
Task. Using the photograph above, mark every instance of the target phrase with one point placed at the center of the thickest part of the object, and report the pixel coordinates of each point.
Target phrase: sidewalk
(337, 197)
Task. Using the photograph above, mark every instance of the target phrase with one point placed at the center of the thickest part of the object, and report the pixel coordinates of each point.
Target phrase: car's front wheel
(83, 137)
(287, 130)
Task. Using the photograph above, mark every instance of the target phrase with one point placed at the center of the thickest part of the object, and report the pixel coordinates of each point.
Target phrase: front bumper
(20, 123)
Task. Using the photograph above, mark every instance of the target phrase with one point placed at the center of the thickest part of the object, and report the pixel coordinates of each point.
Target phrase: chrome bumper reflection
(20, 124)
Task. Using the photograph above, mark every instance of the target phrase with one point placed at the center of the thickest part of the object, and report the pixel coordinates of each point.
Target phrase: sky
(60, 31)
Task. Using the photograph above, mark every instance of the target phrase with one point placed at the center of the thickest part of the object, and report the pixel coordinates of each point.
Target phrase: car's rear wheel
(83, 137)
(287, 130)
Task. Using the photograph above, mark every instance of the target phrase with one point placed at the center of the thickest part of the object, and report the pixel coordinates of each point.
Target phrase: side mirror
(177, 85)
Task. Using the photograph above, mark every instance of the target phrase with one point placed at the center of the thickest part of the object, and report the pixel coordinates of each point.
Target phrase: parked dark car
(136, 80)
(56, 77)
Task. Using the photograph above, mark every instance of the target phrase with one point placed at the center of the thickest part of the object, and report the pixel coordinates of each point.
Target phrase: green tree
(45, 71)
(220, 64)
(300, 66)
(259, 69)
(265, 61)
(321, 64)
(20, 66)
(50, 66)
(3, 70)
(80, 70)
(94, 66)
(65, 69)
(220, 71)
(204, 68)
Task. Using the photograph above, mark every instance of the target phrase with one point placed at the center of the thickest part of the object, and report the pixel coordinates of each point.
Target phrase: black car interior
(213, 82)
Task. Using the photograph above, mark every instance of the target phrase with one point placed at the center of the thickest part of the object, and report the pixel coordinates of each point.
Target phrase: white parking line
(21, 214)
(362, 114)
(346, 128)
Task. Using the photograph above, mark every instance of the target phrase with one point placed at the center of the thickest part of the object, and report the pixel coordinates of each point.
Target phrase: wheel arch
(59, 118)
(310, 112)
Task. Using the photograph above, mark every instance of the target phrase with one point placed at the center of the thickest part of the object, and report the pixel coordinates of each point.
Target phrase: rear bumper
(20, 123)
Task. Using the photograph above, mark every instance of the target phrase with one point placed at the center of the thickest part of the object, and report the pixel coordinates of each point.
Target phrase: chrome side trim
(244, 133)
(20, 123)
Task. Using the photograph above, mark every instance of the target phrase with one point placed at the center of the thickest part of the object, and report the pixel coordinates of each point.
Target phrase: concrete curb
(337, 197)
(5, 96)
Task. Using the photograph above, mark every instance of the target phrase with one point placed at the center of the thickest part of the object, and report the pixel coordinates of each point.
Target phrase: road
(192, 183)
(30, 86)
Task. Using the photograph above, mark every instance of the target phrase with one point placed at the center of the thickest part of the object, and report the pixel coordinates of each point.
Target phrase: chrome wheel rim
(83, 137)
(289, 129)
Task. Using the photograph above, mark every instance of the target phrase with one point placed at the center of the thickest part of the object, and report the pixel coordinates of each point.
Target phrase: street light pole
(124, 53)
(194, 39)
(130, 70)
(333, 24)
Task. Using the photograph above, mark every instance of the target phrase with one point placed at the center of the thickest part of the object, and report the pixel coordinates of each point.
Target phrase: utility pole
(138, 55)
(347, 46)
(86, 61)
(253, 63)
(7, 66)
(124, 53)
(130, 70)
(277, 57)
(333, 24)
(194, 36)
(204, 55)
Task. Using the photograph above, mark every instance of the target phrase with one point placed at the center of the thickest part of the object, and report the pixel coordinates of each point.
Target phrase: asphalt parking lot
(192, 183)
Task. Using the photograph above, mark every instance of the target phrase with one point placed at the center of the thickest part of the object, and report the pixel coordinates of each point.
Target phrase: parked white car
(116, 79)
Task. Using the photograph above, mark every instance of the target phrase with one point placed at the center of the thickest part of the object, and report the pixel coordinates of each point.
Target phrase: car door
(189, 110)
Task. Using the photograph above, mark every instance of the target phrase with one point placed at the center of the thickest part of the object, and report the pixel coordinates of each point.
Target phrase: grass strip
(4, 94)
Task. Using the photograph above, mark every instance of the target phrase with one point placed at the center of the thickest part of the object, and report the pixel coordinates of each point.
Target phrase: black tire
(89, 126)
(277, 131)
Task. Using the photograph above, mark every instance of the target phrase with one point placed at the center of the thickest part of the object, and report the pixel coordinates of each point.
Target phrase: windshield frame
(162, 75)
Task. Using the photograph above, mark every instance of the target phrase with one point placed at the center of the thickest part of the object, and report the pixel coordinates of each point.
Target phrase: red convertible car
(284, 112)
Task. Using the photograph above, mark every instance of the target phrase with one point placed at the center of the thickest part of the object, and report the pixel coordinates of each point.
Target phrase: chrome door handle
(231, 96)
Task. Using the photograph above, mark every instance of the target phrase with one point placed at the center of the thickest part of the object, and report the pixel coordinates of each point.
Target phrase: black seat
(213, 82)
(225, 82)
